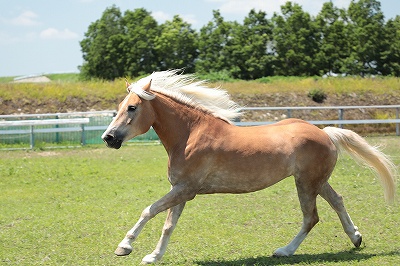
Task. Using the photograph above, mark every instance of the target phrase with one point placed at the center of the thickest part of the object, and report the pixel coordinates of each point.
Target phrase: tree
(141, 30)
(250, 51)
(176, 45)
(365, 26)
(295, 41)
(214, 40)
(332, 37)
(391, 54)
(102, 46)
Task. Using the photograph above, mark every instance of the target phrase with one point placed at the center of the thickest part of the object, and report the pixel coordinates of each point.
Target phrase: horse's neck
(174, 121)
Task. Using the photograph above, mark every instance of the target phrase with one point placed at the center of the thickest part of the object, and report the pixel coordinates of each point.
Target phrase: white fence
(90, 129)
(46, 122)
(340, 121)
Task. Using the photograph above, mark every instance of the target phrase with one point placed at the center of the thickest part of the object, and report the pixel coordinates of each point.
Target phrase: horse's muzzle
(111, 140)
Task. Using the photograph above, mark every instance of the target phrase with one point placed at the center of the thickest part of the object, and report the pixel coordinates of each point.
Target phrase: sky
(42, 36)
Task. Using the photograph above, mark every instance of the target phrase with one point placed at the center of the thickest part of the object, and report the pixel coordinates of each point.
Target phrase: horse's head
(135, 116)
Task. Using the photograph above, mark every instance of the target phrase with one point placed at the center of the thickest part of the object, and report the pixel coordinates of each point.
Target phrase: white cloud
(52, 33)
(161, 16)
(244, 6)
(190, 18)
(27, 18)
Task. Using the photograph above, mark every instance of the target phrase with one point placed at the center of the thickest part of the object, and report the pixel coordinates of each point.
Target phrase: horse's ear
(147, 87)
(127, 84)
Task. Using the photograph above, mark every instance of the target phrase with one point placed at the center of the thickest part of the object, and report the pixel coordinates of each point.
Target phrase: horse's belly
(242, 180)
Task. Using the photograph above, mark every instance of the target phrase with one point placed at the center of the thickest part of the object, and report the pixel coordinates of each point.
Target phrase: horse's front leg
(177, 195)
(172, 218)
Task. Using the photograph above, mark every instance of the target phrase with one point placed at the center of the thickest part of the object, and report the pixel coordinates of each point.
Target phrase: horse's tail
(361, 151)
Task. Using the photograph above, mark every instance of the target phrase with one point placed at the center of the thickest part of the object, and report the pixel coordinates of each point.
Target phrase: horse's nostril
(108, 138)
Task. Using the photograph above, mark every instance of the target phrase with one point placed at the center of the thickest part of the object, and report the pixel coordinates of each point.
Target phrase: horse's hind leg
(172, 218)
(307, 196)
(336, 202)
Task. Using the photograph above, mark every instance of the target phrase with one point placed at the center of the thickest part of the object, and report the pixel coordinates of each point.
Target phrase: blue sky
(43, 36)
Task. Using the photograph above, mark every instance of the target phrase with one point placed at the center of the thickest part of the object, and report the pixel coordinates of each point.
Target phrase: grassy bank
(68, 85)
(72, 207)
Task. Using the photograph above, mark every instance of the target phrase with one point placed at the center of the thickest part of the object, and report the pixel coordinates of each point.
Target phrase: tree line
(352, 41)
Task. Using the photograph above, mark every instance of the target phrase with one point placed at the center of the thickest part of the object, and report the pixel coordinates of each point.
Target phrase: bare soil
(74, 104)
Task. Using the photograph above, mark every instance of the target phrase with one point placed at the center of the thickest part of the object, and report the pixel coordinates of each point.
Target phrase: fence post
(83, 139)
(57, 134)
(32, 138)
(341, 111)
(397, 125)
(289, 113)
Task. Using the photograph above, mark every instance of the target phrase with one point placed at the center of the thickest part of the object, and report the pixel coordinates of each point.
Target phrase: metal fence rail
(90, 133)
(99, 120)
(340, 122)
(340, 109)
(32, 124)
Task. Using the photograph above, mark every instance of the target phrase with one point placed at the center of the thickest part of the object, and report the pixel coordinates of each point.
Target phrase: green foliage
(215, 40)
(354, 41)
(222, 75)
(366, 25)
(317, 95)
(249, 52)
(72, 207)
(176, 45)
(391, 48)
(103, 45)
(333, 39)
(138, 47)
(295, 42)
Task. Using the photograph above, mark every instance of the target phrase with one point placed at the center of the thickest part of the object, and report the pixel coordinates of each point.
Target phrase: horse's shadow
(345, 256)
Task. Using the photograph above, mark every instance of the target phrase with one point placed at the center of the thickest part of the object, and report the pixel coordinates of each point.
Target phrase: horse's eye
(131, 108)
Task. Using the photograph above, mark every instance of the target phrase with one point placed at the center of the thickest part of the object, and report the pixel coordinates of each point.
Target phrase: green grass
(72, 207)
(64, 86)
(62, 90)
(6, 79)
(347, 85)
(64, 77)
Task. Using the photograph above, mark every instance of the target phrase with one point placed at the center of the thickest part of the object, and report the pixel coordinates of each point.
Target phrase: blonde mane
(186, 89)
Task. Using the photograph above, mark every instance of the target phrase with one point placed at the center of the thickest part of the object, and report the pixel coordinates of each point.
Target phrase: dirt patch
(48, 153)
(76, 104)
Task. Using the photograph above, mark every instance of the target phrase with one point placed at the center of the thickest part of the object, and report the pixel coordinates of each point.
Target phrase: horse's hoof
(149, 259)
(281, 252)
(121, 251)
(358, 243)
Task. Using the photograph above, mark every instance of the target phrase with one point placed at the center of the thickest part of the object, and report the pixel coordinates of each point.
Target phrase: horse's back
(244, 159)
(289, 132)
(305, 146)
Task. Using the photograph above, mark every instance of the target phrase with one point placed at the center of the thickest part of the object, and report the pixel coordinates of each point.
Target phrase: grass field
(72, 207)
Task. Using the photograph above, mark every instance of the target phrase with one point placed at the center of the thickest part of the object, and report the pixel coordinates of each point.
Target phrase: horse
(208, 154)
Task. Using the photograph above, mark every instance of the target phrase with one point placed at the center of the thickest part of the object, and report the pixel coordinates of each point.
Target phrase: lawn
(73, 206)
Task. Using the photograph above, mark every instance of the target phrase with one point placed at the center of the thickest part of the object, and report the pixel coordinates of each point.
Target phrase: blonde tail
(361, 151)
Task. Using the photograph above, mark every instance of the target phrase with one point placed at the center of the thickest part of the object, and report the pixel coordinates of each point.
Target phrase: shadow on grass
(345, 256)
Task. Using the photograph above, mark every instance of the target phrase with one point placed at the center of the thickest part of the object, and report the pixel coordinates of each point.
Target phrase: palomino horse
(208, 154)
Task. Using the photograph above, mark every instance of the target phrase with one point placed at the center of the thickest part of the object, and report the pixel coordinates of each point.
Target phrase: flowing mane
(186, 89)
